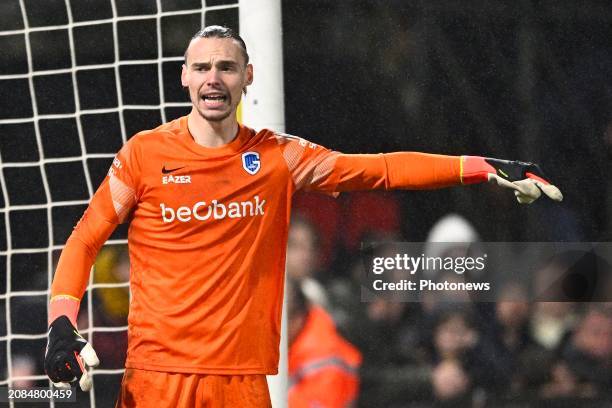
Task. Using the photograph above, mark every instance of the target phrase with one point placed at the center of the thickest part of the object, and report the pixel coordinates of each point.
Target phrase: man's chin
(215, 116)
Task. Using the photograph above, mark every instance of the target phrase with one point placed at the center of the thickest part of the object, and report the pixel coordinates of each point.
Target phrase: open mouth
(214, 98)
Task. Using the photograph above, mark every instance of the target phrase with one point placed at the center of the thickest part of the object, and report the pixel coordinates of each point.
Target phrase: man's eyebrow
(230, 63)
(219, 62)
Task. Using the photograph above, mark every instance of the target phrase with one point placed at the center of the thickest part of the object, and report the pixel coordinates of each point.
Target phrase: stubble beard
(217, 117)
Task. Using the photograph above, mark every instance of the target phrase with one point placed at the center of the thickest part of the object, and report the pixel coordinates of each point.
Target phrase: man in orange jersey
(323, 366)
(208, 201)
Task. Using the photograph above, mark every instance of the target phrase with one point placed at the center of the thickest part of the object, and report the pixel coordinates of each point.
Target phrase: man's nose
(213, 77)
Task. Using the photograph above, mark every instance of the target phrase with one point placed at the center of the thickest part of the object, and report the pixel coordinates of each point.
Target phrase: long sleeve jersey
(207, 238)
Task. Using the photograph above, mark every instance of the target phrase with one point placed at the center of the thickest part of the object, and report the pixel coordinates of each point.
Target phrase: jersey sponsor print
(208, 234)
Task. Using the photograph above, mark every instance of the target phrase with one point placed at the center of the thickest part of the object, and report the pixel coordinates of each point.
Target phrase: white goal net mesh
(77, 79)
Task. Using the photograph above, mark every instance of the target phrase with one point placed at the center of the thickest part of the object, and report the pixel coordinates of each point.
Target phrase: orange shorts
(145, 389)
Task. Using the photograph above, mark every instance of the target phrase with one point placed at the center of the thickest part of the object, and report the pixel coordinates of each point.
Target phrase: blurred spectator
(453, 336)
(302, 259)
(395, 370)
(524, 362)
(584, 368)
(345, 289)
(465, 363)
(452, 228)
(551, 322)
(325, 212)
(451, 236)
(323, 367)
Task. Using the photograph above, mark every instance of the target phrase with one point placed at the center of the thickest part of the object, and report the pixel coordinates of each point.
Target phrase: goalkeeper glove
(526, 179)
(67, 355)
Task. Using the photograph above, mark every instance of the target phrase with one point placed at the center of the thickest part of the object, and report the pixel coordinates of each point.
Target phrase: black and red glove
(526, 179)
(68, 355)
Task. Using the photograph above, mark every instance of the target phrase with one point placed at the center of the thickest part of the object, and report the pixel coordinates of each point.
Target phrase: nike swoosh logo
(166, 171)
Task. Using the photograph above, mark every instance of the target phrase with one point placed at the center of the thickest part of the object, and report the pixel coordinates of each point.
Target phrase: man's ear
(184, 81)
(249, 73)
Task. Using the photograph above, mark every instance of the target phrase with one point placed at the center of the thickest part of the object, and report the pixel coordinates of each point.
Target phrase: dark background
(518, 80)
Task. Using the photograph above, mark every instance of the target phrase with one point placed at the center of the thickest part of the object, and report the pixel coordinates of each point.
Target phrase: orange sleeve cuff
(422, 171)
(64, 305)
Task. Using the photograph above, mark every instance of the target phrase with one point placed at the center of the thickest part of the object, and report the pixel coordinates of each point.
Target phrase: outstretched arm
(316, 168)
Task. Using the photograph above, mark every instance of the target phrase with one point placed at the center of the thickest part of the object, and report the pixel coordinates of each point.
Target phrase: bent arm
(74, 266)
(110, 206)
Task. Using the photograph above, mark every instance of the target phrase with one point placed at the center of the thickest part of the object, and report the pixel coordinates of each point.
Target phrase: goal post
(260, 27)
(263, 107)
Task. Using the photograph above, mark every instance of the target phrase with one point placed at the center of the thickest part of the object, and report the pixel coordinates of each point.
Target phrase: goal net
(77, 79)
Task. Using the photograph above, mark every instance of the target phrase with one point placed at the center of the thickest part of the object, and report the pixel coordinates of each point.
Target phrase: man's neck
(212, 134)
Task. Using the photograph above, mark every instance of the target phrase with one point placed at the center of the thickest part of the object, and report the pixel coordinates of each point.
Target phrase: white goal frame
(263, 107)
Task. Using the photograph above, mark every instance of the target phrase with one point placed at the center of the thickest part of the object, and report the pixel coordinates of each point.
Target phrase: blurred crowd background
(529, 80)
(444, 350)
(522, 80)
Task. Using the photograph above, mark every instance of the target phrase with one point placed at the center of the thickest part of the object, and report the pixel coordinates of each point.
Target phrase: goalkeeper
(208, 201)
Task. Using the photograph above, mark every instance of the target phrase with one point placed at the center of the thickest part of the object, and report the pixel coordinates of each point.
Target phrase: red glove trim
(474, 169)
(538, 178)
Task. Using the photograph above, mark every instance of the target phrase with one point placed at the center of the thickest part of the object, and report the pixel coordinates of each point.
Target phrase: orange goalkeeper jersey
(207, 238)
